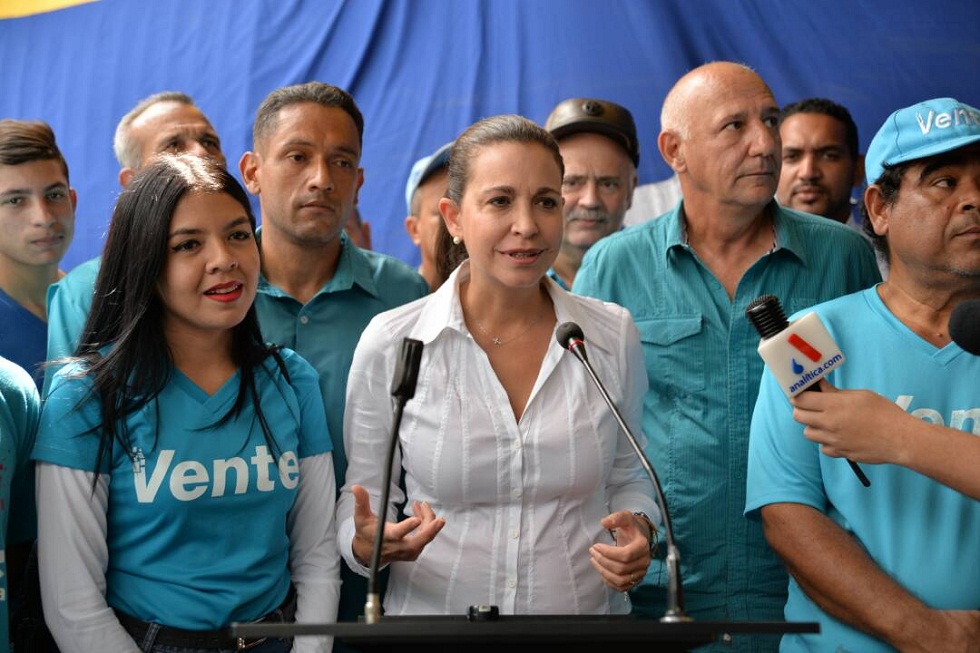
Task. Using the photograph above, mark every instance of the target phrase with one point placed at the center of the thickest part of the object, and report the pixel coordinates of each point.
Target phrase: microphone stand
(403, 389)
(575, 343)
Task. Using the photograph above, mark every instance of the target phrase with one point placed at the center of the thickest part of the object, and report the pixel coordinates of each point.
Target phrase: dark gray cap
(577, 115)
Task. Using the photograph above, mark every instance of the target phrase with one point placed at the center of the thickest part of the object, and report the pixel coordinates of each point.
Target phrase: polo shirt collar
(353, 268)
(788, 234)
(676, 235)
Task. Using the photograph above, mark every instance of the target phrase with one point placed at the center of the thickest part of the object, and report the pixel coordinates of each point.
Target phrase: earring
(457, 240)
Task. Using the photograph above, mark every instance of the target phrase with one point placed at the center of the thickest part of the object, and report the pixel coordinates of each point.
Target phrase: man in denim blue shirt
(317, 290)
(687, 278)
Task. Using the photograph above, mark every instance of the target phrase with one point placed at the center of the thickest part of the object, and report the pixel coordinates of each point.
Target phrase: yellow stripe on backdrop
(18, 8)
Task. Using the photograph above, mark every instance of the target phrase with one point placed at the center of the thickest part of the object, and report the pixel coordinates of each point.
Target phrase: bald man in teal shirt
(687, 278)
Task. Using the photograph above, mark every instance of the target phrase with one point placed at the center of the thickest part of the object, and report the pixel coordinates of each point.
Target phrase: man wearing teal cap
(427, 183)
(893, 566)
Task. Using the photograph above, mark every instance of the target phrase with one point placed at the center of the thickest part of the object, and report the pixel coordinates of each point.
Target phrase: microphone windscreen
(766, 314)
(567, 332)
(407, 369)
(964, 326)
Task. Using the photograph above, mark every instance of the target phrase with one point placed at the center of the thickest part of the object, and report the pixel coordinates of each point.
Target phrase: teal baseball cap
(921, 130)
(425, 168)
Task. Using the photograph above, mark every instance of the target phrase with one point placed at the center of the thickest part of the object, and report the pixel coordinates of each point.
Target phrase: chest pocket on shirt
(673, 355)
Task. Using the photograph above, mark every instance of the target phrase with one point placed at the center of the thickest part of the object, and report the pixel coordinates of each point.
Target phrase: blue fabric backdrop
(422, 70)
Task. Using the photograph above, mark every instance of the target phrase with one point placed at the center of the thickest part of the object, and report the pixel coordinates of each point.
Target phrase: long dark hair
(123, 349)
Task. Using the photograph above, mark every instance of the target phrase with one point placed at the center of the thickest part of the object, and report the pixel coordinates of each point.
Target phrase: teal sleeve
(784, 466)
(68, 303)
(68, 433)
(19, 414)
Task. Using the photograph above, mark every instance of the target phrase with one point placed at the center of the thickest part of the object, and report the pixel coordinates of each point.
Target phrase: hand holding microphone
(798, 354)
(856, 424)
(862, 425)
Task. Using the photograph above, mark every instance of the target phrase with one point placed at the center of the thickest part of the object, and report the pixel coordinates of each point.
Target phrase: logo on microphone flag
(805, 347)
(801, 354)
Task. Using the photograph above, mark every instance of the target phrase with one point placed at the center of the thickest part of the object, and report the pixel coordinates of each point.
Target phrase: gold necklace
(497, 341)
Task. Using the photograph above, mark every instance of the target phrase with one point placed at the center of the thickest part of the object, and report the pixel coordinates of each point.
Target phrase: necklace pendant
(496, 341)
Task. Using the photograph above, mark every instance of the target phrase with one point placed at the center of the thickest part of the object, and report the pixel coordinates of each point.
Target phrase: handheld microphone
(798, 354)
(570, 337)
(402, 389)
(964, 326)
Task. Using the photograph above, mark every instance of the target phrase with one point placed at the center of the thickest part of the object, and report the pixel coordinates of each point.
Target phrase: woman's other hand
(402, 541)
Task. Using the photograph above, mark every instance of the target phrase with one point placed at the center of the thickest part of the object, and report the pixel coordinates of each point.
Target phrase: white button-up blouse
(522, 499)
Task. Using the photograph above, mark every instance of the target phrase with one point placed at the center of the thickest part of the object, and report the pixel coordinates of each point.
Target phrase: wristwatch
(642, 516)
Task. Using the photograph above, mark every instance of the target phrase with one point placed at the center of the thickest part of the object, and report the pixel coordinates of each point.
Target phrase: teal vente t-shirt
(197, 516)
(923, 534)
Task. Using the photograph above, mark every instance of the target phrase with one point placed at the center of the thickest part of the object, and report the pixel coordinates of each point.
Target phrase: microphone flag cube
(801, 354)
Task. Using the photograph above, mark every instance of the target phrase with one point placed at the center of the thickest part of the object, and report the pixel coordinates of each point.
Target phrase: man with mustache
(317, 290)
(687, 278)
(894, 566)
(821, 162)
(598, 144)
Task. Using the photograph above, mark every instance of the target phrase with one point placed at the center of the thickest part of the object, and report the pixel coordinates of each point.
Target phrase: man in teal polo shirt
(318, 291)
(687, 278)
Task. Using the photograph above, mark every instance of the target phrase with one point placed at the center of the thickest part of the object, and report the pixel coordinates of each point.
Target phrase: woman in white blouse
(522, 491)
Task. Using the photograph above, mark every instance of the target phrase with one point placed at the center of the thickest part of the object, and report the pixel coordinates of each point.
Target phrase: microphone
(402, 389)
(570, 337)
(798, 354)
(964, 326)
(407, 370)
